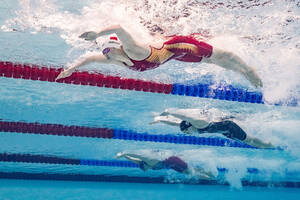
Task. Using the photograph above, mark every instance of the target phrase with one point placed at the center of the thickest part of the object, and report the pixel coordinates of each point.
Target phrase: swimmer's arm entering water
(123, 35)
(129, 45)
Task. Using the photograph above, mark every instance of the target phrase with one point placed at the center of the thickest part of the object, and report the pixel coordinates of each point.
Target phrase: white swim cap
(113, 42)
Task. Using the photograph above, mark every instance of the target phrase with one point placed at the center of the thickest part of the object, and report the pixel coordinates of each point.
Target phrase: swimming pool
(46, 34)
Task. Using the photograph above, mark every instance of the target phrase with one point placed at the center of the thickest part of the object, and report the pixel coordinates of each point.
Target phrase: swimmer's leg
(228, 129)
(255, 142)
(236, 132)
(232, 62)
(233, 131)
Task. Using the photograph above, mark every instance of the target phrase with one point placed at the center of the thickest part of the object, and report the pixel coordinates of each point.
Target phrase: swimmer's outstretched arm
(197, 123)
(138, 159)
(166, 120)
(85, 60)
(232, 62)
(132, 157)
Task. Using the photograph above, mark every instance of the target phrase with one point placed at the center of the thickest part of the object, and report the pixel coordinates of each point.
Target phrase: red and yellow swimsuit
(182, 48)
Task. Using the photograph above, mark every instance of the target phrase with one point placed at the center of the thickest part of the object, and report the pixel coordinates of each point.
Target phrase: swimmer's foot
(265, 146)
(89, 36)
(254, 79)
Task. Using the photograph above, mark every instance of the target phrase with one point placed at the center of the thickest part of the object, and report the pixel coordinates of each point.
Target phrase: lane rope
(221, 92)
(83, 131)
(44, 159)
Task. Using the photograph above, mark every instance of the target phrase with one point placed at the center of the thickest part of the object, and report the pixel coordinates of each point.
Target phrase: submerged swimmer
(172, 162)
(203, 124)
(130, 54)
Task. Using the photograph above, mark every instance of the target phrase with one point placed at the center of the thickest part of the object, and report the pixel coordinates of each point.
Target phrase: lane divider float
(83, 131)
(44, 159)
(42, 73)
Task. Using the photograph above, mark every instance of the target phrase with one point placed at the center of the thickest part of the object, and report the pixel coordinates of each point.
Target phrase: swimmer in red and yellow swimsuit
(182, 48)
(123, 50)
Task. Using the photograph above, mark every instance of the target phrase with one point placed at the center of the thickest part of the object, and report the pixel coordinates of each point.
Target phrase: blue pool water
(74, 190)
(266, 36)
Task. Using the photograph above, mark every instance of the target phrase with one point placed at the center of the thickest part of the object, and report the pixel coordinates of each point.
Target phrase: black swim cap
(184, 125)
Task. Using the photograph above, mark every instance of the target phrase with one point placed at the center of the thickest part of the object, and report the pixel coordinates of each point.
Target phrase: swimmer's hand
(64, 74)
(89, 36)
